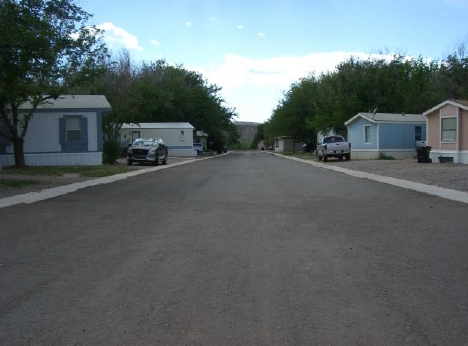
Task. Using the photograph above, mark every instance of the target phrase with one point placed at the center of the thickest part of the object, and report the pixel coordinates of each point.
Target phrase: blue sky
(254, 49)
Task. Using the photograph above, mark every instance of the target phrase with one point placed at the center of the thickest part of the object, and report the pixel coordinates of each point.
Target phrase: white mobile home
(64, 131)
(177, 136)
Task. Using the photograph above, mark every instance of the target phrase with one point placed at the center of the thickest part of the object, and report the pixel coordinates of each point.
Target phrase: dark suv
(147, 150)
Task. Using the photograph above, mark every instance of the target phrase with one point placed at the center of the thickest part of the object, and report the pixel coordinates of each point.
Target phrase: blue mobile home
(391, 134)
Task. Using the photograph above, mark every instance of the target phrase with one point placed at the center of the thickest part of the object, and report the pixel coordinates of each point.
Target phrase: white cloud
(255, 86)
(188, 23)
(115, 35)
(240, 27)
(155, 43)
(261, 34)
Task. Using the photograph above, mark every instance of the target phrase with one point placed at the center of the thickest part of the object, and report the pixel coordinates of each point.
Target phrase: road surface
(244, 249)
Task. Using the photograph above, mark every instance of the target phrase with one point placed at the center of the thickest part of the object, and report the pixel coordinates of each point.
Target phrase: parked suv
(147, 150)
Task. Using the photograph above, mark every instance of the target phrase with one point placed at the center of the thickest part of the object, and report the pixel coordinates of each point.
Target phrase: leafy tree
(290, 116)
(45, 47)
(259, 136)
(117, 84)
(163, 92)
(110, 151)
(399, 85)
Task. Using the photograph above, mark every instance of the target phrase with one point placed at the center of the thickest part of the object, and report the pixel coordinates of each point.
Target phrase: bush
(111, 151)
(240, 146)
(383, 156)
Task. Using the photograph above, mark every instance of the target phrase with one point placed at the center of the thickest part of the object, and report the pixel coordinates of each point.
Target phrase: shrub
(240, 146)
(111, 151)
(383, 156)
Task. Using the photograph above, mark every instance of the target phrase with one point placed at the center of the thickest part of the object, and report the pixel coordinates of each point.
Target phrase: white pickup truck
(333, 146)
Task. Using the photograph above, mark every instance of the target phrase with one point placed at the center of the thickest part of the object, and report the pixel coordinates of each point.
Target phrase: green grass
(17, 183)
(83, 171)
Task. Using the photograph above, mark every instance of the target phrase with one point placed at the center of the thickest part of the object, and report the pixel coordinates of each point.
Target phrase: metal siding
(45, 131)
(449, 111)
(399, 136)
(463, 123)
(159, 126)
(433, 130)
(98, 132)
(170, 136)
(43, 134)
(356, 134)
(55, 159)
(62, 131)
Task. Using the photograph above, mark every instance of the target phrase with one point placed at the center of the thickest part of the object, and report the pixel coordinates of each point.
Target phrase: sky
(255, 49)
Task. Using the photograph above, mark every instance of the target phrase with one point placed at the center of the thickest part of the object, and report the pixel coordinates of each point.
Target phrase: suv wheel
(156, 160)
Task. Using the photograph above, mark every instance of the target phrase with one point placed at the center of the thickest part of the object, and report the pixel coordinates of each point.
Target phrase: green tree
(163, 92)
(117, 83)
(398, 85)
(45, 47)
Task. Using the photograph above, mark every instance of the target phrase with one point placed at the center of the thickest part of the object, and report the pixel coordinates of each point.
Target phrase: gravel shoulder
(446, 175)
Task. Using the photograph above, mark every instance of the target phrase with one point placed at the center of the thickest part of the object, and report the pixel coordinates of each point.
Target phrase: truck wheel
(340, 158)
(164, 162)
(325, 157)
(348, 157)
(318, 156)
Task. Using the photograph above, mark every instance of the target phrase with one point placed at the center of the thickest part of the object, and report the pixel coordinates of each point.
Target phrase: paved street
(243, 249)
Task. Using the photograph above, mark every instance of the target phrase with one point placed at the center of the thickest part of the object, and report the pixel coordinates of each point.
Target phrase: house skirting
(55, 159)
(181, 152)
(458, 156)
(373, 154)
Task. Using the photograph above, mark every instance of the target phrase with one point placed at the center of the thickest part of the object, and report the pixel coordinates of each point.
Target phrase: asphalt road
(244, 249)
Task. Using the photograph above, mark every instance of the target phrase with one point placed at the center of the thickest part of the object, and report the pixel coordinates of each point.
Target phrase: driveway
(447, 175)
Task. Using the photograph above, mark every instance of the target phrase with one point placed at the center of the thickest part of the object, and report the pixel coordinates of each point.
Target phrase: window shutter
(84, 129)
(62, 131)
(84, 134)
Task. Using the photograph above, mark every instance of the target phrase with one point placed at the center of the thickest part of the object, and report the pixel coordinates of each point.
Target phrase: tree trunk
(18, 145)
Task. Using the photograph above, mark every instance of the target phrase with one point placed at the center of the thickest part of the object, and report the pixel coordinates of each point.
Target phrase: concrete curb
(32, 197)
(453, 195)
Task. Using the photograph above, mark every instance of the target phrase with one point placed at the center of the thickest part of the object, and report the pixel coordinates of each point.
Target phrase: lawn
(83, 171)
(18, 183)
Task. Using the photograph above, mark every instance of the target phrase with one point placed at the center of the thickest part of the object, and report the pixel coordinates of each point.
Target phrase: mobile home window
(418, 133)
(449, 129)
(73, 129)
(367, 133)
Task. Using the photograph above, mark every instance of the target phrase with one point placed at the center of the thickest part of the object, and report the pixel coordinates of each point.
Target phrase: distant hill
(246, 131)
